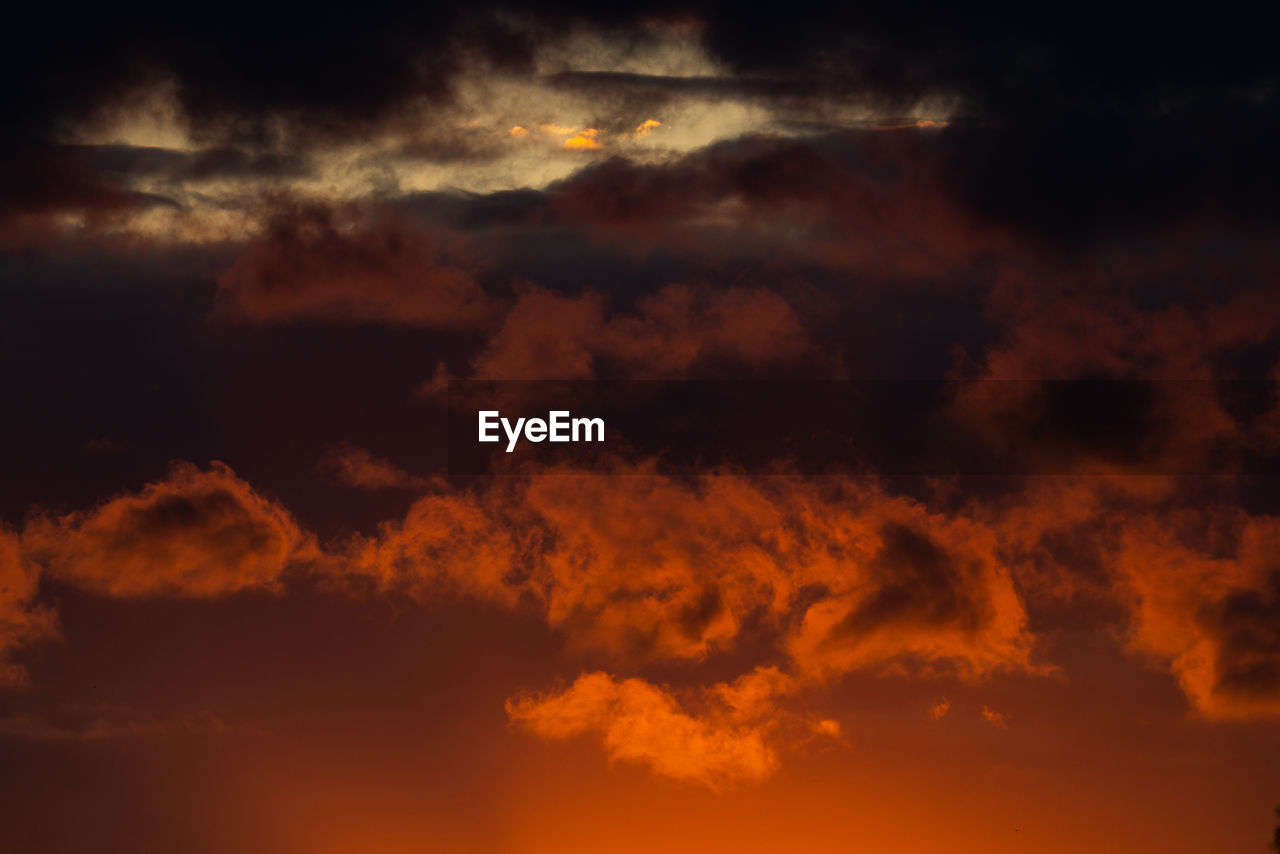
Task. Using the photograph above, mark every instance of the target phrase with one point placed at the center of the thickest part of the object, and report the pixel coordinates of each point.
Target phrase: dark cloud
(658, 88)
(233, 68)
(174, 165)
(1205, 597)
(920, 584)
(1076, 122)
(44, 186)
(349, 264)
(1246, 624)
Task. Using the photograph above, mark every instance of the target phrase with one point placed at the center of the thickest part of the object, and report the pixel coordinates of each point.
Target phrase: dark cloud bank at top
(1073, 122)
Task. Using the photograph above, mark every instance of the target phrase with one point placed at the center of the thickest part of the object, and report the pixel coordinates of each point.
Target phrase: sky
(249, 603)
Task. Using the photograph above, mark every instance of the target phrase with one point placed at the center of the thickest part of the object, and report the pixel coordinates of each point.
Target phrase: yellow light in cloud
(646, 127)
(827, 727)
(518, 131)
(583, 140)
(925, 124)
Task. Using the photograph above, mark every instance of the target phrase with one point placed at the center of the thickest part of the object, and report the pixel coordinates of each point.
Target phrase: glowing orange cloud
(659, 568)
(1213, 617)
(195, 533)
(640, 722)
(647, 127)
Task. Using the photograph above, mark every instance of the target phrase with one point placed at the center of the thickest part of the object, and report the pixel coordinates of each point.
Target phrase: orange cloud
(640, 722)
(447, 541)
(545, 334)
(647, 127)
(754, 695)
(21, 620)
(994, 718)
(1210, 610)
(587, 139)
(927, 589)
(1193, 580)
(665, 568)
(195, 533)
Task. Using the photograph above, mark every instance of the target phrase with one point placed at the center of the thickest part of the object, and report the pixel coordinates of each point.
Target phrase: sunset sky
(250, 603)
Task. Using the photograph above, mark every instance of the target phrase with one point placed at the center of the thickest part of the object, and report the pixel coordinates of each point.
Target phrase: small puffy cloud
(827, 727)
(447, 540)
(643, 723)
(994, 718)
(194, 533)
(754, 695)
(357, 467)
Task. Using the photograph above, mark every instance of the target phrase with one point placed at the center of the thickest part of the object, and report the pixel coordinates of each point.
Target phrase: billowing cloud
(658, 567)
(195, 533)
